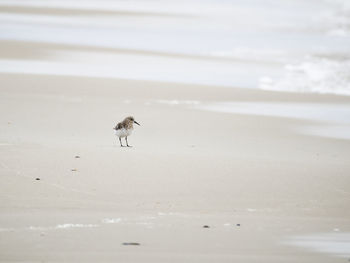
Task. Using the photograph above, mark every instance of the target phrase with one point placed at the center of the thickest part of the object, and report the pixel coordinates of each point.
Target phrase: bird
(124, 129)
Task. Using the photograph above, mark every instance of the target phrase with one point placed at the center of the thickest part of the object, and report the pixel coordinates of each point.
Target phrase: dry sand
(188, 168)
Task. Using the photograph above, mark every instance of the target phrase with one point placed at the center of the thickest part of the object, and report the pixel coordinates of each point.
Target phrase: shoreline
(219, 171)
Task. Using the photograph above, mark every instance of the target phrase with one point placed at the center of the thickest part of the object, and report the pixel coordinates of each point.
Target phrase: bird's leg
(120, 140)
(126, 139)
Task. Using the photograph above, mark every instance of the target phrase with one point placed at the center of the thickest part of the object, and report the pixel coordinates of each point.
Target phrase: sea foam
(319, 75)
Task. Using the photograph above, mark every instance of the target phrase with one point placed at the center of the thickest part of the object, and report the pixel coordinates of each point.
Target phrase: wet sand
(187, 168)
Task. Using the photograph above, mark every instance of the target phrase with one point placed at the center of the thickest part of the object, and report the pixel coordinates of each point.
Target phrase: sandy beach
(215, 174)
(188, 168)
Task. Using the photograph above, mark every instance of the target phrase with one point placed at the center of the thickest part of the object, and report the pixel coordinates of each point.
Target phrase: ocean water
(284, 45)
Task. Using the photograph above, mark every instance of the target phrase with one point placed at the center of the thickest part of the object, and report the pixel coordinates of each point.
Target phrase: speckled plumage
(124, 129)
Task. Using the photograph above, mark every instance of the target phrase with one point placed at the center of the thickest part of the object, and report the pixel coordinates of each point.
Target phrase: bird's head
(132, 120)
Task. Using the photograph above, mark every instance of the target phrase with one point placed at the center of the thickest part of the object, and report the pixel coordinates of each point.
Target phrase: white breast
(123, 132)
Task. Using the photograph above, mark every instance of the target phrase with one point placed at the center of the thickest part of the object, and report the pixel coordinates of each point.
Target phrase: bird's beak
(137, 123)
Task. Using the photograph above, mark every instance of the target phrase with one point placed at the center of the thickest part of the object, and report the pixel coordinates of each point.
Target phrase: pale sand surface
(188, 168)
(268, 192)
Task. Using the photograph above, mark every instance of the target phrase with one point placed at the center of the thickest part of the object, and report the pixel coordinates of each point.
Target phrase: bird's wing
(118, 126)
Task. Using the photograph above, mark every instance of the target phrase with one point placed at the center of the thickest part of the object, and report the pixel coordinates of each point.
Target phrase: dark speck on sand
(131, 244)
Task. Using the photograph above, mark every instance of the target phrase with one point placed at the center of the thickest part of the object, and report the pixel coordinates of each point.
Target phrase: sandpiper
(124, 129)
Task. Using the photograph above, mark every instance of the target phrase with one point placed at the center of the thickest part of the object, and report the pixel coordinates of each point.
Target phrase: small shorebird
(124, 129)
